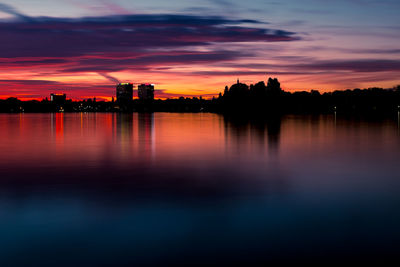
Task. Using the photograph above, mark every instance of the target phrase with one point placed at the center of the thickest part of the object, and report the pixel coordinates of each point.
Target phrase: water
(167, 189)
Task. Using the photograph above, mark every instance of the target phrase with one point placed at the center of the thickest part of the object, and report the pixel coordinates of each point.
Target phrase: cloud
(43, 88)
(239, 73)
(29, 82)
(364, 65)
(370, 51)
(149, 61)
(73, 37)
(109, 77)
(12, 11)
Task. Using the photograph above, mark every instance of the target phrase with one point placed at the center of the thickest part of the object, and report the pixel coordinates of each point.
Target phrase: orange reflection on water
(59, 127)
(92, 140)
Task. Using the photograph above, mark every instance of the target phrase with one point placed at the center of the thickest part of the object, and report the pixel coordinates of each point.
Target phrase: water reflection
(398, 121)
(274, 131)
(124, 129)
(126, 189)
(262, 133)
(136, 136)
(57, 126)
(146, 135)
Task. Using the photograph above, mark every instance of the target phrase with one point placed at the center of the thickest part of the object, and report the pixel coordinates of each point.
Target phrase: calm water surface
(115, 189)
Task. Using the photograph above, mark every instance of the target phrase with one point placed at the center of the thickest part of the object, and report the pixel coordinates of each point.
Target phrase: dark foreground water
(168, 189)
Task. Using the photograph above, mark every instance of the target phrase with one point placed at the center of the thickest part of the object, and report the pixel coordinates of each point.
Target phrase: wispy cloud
(10, 10)
(365, 65)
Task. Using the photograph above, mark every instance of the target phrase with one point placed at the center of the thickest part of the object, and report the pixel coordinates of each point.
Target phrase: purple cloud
(73, 37)
(362, 65)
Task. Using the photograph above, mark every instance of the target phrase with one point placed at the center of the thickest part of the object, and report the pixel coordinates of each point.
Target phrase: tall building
(58, 99)
(146, 92)
(124, 93)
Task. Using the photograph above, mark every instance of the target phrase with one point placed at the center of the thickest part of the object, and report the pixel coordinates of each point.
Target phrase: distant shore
(258, 99)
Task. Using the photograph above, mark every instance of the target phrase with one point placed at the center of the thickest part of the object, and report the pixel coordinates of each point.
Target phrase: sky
(193, 47)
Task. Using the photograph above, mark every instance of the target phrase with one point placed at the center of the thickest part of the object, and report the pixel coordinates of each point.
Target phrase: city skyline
(195, 48)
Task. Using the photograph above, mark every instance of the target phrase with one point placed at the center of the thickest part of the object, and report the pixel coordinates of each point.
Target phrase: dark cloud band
(66, 37)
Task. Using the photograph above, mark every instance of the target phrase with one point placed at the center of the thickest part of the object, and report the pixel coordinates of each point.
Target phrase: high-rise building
(124, 93)
(146, 92)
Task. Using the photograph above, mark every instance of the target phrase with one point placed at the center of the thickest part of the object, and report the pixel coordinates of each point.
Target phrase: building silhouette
(124, 95)
(146, 92)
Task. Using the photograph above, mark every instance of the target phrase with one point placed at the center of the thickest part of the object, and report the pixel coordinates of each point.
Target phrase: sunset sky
(195, 47)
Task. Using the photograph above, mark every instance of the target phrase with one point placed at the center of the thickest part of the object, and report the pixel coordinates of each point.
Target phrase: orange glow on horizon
(169, 85)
